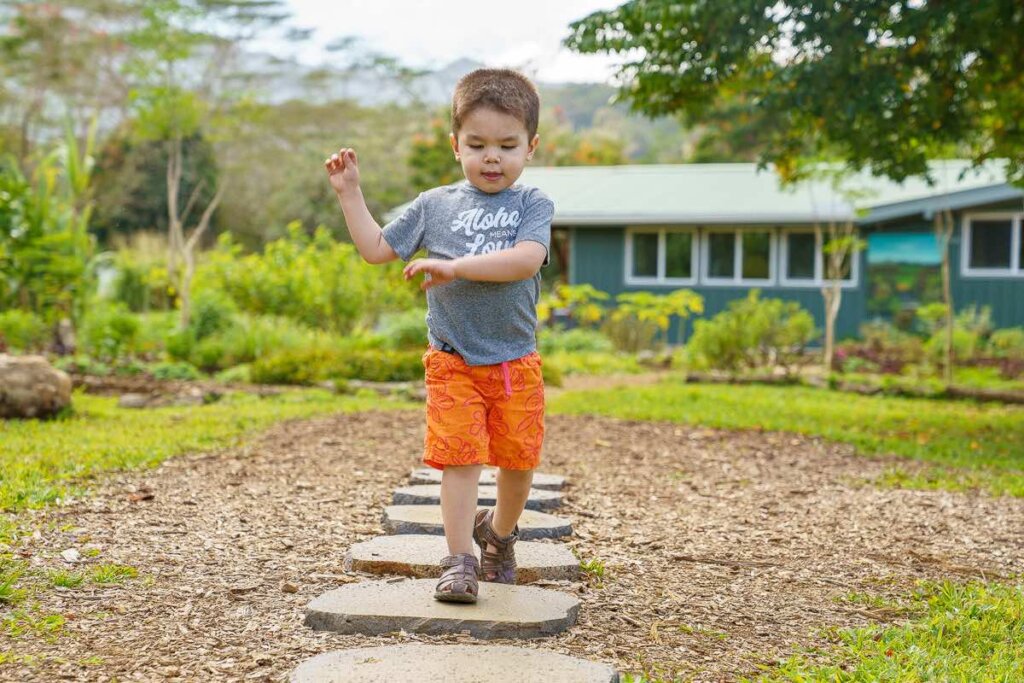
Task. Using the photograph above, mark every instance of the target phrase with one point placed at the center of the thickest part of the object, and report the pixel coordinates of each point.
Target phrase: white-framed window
(661, 256)
(802, 260)
(992, 245)
(731, 256)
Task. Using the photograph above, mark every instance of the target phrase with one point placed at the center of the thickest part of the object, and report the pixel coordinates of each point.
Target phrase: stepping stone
(548, 482)
(450, 664)
(430, 494)
(501, 610)
(418, 556)
(426, 519)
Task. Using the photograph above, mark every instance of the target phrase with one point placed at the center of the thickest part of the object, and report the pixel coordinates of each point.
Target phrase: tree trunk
(944, 232)
(188, 253)
(833, 295)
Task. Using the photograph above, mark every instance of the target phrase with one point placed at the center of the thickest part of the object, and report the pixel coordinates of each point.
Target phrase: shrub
(109, 330)
(576, 340)
(405, 330)
(314, 280)
(23, 330)
(883, 347)
(312, 365)
(753, 333)
(212, 311)
(551, 373)
(177, 370)
(1007, 343)
(82, 365)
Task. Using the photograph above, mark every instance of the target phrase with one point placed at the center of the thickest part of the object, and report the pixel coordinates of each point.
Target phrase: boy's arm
(518, 263)
(343, 169)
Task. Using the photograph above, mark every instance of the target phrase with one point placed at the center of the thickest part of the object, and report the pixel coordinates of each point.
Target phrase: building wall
(598, 258)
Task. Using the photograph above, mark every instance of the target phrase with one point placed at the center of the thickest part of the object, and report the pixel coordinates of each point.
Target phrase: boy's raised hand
(441, 271)
(343, 170)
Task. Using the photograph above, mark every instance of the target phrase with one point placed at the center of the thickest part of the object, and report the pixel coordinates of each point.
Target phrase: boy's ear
(533, 146)
(454, 142)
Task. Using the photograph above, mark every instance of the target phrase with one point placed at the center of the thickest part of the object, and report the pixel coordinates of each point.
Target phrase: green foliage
(694, 53)
(306, 366)
(46, 250)
(131, 182)
(178, 370)
(593, 362)
(109, 330)
(972, 446)
(1008, 343)
(314, 280)
(752, 333)
(640, 317)
(43, 461)
(552, 373)
(23, 331)
(431, 159)
(582, 301)
(405, 330)
(575, 340)
(965, 632)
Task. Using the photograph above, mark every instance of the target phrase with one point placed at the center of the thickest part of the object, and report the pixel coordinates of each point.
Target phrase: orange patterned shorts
(483, 414)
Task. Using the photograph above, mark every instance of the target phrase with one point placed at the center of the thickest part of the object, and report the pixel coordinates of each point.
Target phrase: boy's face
(493, 148)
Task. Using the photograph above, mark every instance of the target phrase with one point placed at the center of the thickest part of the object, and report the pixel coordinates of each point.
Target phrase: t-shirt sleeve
(405, 233)
(536, 225)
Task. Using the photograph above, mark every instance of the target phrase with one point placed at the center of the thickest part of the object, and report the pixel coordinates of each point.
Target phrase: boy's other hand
(343, 170)
(441, 271)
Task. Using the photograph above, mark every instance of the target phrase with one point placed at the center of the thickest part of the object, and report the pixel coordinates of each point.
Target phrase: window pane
(721, 252)
(645, 254)
(756, 255)
(678, 254)
(991, 243)
(800, 259)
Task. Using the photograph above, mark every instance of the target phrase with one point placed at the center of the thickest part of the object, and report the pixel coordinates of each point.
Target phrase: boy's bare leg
(513, 490)
(458, 506)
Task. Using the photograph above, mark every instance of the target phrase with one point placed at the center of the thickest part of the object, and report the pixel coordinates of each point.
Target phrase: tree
(885, 86)
(170, 105)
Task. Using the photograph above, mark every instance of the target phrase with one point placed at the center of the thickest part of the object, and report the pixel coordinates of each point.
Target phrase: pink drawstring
(508, 379)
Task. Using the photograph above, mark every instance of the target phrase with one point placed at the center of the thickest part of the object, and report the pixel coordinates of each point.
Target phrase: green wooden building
(722, 229)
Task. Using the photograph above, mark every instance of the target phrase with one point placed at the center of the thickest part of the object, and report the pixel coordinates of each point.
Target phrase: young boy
(486, 239)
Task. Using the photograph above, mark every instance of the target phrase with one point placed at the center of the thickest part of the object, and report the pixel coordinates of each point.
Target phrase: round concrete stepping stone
(501, 610)
(430, 494)
(426, 519)
(548, 482)
(418, 555)
(450, 664)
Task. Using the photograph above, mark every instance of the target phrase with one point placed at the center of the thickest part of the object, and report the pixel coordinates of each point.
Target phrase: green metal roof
(740, 193)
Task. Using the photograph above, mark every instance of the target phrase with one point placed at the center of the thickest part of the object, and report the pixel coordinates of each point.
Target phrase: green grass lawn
(41, 461)
(968, 632)
(972, 445)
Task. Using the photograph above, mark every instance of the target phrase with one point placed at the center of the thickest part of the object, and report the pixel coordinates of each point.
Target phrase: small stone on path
(548, 482)
(419, 555)
(426, 519)
(450, 664)
(501, 610)
(430, 494)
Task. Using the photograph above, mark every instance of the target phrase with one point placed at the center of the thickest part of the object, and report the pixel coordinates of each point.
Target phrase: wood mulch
(722, 550)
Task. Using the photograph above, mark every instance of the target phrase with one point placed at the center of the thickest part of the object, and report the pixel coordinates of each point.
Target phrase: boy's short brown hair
(506, 90)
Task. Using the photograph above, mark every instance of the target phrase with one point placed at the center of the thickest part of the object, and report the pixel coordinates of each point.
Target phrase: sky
(524, 34)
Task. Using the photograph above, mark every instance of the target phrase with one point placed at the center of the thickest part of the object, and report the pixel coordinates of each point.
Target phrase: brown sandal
(499, 563)
(458, 583)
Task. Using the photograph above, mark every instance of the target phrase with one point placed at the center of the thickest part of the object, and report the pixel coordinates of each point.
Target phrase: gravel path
(722, 550)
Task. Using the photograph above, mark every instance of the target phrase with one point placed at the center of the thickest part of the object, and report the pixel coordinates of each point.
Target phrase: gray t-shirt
(486, 322)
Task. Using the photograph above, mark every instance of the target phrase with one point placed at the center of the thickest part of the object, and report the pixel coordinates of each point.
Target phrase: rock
(70, 555)
(426, 519)
(133, 401)
(289, 587)
(418, 555)
(430, 494)
(450, 664)
(32, 388)
(429, 475)
(501, 611)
